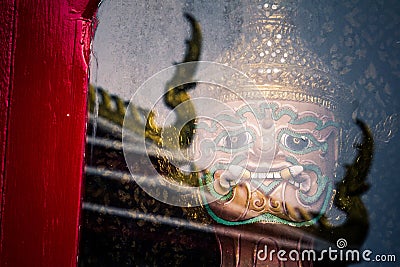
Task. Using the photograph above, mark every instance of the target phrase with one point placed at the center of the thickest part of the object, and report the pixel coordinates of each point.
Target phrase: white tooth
(305, 186)
(270, 175)
(224, 183)
(296, 170)
(277, 175)
(239, 172)
(297, 185)
(246, 174)
(291, 181)
(236, 171)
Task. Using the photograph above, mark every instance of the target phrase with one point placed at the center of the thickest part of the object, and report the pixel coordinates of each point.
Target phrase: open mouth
(293, 175)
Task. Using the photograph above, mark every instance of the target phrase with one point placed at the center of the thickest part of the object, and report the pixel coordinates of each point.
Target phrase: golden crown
(274, 56)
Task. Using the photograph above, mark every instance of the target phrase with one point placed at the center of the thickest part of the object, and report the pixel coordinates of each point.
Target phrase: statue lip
(291, 175)
(296, 178)
(276, 166)
(294, 175)
(287, 173)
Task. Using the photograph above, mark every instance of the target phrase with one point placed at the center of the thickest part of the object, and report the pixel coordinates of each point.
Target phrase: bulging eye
(295, 143)
(299, 143)
(237, 141)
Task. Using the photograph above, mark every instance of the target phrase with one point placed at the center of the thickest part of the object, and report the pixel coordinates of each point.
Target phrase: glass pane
(240, 159)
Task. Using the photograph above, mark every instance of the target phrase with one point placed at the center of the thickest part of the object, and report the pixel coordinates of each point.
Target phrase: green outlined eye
(295, 143)
(300, 143)
(234, 141)
(237, 141)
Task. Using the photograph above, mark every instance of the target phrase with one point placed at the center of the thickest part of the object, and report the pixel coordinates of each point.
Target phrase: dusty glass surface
(356, 44)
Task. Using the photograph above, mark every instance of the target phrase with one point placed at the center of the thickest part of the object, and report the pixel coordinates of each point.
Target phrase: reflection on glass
(266, 162)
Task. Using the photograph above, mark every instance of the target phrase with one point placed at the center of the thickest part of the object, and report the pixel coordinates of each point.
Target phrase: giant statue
(270, 168)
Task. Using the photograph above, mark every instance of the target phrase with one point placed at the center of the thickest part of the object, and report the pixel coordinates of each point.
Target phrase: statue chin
(247, 205)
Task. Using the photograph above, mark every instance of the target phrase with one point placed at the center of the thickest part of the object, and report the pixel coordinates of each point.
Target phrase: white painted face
(268, 160)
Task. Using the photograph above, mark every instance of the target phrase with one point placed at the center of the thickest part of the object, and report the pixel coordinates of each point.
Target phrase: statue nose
(267, 147)
(270, 152)
(262, 153)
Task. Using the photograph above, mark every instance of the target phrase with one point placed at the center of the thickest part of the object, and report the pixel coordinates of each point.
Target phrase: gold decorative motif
(274, 93)
(277, 59)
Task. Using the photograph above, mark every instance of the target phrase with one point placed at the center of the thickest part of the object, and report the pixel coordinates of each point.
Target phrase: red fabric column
(44, 68)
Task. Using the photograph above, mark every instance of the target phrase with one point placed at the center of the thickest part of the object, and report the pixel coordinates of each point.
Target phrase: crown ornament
(272, 54)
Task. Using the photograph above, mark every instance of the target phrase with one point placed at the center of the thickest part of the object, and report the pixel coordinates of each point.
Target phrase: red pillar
(44, 53)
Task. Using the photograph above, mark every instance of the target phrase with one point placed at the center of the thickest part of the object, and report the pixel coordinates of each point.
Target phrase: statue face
(274, 161)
